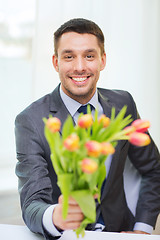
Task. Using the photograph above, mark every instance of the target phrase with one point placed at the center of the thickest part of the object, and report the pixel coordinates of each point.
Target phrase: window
(17, 26)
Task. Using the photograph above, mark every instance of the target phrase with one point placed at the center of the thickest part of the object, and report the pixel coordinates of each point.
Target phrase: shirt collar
(73, 105)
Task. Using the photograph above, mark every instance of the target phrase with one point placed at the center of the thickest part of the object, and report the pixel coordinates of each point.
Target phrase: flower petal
(85, 121)
(139, 139)
(88, 165)
(94, 148)
(71, 143)
(141, 125)
(53, 124)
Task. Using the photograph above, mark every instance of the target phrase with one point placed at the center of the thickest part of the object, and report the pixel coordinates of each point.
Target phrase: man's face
(79, 63)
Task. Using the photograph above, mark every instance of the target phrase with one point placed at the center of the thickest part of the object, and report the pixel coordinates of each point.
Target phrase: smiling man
(79, 58)
(79, 61)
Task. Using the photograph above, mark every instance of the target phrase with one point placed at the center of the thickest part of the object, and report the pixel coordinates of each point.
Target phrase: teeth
(79, 79)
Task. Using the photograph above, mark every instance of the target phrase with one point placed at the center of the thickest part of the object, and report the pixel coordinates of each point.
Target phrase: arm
(147, 162)
(35, 186)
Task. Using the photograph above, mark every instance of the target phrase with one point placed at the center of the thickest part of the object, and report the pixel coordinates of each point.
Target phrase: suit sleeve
(147, 161)
(35, 186)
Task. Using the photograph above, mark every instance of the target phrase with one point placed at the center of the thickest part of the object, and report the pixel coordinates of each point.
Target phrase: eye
(68, 57)
(90, 56)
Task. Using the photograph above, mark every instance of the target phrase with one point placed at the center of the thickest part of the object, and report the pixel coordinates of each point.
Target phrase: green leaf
(56, 163)
(65, 184)
(50, 138)
(81, 229)
(113, 113)
(88, 109)
(55, 144)
(86, 202)
(96, 126)
(91, 179)
(101, 177)
(116, 125)
(68, 127)
(82, 133)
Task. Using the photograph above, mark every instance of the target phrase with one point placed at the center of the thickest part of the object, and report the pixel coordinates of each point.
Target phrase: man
(79, 57)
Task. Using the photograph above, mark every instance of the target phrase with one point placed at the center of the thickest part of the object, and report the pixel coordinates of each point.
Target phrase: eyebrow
(71, 51)
(66, 51)
(91, 50)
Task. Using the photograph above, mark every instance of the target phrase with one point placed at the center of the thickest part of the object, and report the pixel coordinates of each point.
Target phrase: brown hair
(79, 25)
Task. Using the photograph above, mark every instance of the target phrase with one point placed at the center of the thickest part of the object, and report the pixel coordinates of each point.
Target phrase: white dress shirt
(130, 173)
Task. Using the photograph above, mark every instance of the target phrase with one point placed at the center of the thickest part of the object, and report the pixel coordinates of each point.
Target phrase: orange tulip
(107, 148)
(141, 125)
(94, 148)
(85, 121)
(139, 139)
(71, 143)
(104, 120)
(53, 124)
(89, 165)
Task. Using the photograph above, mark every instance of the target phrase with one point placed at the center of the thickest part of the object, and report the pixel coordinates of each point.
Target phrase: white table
(15, 232)
(8, 232)
(69, 235)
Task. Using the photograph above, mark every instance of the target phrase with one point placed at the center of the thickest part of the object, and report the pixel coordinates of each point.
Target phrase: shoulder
(118, 98)
(41, 107)
(37, 108)
(112, 93)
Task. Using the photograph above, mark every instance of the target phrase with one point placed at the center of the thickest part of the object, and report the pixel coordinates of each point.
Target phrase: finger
(72, 221)
(70, 200)
(74, 209)
(74, 217)
(70, 225)
(60, 199)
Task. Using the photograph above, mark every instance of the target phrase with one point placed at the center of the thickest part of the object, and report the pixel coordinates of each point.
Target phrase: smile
(79, 79)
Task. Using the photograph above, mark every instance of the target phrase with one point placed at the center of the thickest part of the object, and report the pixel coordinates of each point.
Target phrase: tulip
(139, 139)
(88, 165)
(104, 120)
(128, 130)
(107, 148)
(94, 148)
(71, 143)
(141, 125)
(53, 124)
(85, 121)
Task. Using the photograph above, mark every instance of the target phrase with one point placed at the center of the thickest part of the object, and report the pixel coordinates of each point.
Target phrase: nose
(79, 64)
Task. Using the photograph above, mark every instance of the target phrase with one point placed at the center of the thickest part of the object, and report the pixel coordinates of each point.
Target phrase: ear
(103, 61)
(55, 62)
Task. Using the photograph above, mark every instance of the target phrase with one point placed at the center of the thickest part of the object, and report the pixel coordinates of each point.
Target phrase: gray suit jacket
(37, 179)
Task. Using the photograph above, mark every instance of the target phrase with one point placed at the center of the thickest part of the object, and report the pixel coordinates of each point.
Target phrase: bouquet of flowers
(78, 154)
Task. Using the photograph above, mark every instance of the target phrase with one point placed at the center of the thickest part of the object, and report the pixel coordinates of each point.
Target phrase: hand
(74, 217)
(136, 231)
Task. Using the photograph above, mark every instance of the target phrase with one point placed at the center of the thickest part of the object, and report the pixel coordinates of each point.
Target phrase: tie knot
(83, 108)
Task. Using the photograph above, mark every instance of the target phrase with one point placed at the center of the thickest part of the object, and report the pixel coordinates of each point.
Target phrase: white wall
(132, 32)
(16, 30)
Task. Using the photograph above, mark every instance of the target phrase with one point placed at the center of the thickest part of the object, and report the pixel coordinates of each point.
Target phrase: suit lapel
(57, 107)
(105, 103)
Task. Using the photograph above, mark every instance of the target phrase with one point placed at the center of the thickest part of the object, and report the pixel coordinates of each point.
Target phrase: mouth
(79, 79)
